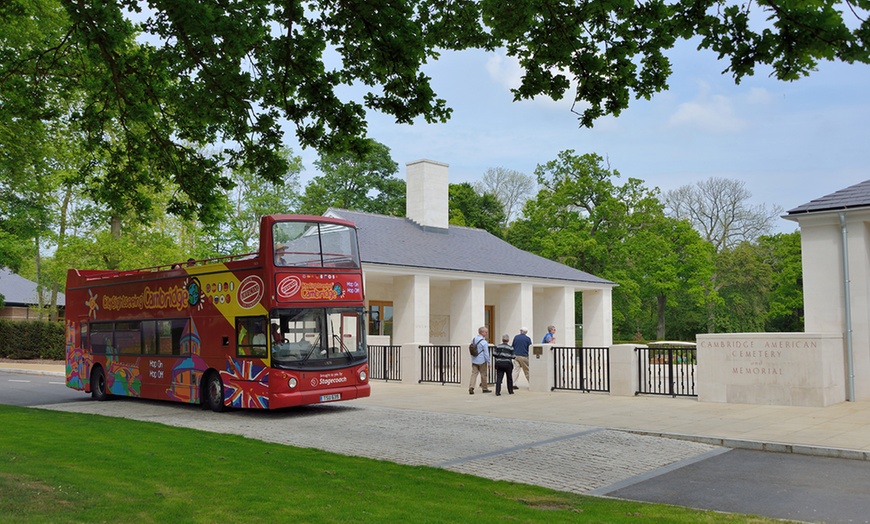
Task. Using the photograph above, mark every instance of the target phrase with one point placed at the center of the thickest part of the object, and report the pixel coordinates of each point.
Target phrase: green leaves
(150, 89)
(364, 182)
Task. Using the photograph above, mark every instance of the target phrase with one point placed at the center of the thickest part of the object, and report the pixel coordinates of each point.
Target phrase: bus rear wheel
(214, 392)
(98, 384)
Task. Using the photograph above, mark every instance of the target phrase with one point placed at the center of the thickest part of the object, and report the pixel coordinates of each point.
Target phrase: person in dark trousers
(504, 365)
(480, 362)
(521, 345)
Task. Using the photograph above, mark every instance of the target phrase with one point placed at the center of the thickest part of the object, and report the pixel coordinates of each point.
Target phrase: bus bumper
(318, 396)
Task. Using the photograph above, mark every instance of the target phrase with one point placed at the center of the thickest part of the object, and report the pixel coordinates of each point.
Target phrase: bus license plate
(328, 398)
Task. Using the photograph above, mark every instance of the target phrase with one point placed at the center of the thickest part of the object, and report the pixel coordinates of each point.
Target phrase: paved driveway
(566, 457)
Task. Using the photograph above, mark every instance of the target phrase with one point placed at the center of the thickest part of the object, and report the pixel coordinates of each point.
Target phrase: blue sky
(790, 142)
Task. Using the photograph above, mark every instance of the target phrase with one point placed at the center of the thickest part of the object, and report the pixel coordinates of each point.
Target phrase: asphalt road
(564, 456)
(785, 486)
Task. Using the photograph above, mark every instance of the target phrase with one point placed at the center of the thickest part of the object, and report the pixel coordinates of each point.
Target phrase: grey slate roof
(851, 197)
(398, 241)
(18, 291)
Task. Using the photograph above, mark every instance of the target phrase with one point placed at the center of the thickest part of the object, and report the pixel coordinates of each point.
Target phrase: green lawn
(68, 467)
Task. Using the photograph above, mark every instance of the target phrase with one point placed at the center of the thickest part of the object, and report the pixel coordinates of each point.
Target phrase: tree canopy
(148, 84)
(360, 183)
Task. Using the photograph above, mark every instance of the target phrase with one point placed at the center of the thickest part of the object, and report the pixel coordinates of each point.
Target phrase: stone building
(21, 298)
(835, 251)
(428, 282)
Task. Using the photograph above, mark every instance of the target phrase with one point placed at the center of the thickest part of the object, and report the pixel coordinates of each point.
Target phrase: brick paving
(567, 457)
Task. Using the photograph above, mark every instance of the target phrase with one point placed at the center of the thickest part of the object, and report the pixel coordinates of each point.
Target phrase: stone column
(411, 310)
(623, 370)
(597, 317)
(541, 373)
(411, 364)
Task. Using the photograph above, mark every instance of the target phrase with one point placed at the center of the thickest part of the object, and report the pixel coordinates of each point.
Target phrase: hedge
(32, 340)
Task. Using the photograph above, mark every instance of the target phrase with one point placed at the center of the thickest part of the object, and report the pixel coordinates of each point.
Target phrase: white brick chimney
(426, 200)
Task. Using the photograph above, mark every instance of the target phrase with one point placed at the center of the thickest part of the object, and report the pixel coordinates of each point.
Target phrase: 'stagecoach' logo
(289, 286)
(251, 291)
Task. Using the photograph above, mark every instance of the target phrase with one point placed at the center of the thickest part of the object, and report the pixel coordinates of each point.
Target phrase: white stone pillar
(411, 310)
(597, 317)
(541, 373)
(516, 306)
(412, 360)
(623, 369)
(466, 316)
(549, 309)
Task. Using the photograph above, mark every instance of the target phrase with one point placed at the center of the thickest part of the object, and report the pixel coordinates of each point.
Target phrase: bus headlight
(362, 376)
(292, 382)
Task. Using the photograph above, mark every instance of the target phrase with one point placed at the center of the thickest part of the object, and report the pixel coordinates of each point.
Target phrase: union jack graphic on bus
(248, 384)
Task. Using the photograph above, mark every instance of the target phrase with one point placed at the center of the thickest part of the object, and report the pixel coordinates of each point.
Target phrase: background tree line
(697, 259)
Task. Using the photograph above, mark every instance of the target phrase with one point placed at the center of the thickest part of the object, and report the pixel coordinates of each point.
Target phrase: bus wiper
(337, 338)
(343, 346)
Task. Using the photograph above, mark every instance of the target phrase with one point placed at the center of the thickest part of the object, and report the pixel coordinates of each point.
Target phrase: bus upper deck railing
(101, 274)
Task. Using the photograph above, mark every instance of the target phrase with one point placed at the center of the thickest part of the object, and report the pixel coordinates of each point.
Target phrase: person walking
(550, 337)
(504, 365)
(480, 362)
(521, 345)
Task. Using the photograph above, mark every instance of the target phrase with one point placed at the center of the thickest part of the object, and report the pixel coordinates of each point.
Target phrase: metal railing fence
(666, 370)
(440, 364)
(385, 363)
(581, 368)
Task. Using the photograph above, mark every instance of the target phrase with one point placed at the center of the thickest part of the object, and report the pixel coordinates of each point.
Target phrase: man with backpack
(480, 362)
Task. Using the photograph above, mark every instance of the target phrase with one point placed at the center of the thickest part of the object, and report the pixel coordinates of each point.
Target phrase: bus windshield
(312, 336)
(312, 244)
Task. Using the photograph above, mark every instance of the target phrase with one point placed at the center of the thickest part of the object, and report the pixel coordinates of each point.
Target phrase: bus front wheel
(98, 384)
(214, 393)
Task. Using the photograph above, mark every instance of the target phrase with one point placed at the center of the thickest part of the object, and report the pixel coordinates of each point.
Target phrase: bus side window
(164, 337)
(251, 337)
(102, 337)
(128, 337)
(178, 327)
(85, 341)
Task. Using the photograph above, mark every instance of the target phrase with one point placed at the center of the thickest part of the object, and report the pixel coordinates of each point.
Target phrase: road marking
(16, 380)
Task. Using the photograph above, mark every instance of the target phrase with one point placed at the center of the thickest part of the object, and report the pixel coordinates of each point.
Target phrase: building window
(380, 318)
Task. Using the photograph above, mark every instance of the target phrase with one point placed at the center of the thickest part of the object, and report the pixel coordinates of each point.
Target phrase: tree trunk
(660, 329)
(61, 242)
(40, 304)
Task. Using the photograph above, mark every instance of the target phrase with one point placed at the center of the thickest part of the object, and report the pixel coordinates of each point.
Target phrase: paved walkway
(841, 430)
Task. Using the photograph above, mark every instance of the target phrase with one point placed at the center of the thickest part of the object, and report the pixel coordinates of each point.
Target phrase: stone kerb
(787, 369)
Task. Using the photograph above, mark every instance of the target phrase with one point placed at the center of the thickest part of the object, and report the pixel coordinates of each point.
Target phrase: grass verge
(69, 467)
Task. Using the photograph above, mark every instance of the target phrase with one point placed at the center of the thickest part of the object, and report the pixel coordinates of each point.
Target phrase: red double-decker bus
(280, 327)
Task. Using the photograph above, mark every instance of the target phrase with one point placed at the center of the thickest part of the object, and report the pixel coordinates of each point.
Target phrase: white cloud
(711, 113)
(504, 70)
(759, 96)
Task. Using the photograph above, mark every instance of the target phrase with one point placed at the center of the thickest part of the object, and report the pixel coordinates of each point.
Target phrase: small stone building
(428, 282)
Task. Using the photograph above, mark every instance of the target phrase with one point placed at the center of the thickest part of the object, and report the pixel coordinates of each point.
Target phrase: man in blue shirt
(550, 337)
(480, 362)
(521, 344)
